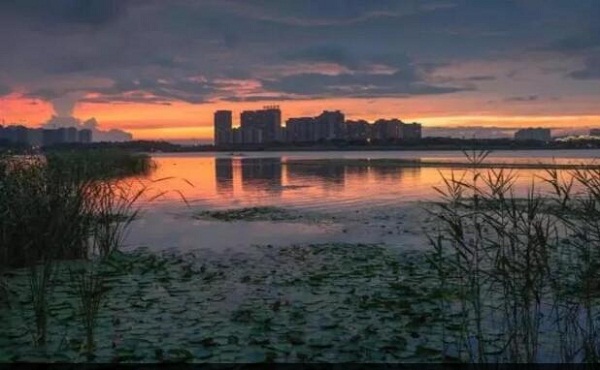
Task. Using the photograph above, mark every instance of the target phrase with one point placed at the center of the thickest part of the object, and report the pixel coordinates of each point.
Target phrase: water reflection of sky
(225, 181)
(364, 204)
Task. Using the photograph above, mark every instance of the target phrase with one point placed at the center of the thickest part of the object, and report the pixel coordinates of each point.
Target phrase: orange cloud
(14, 109)
(190, 121)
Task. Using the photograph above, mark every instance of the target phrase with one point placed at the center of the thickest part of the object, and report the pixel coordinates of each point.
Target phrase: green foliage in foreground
(520, 271)
(67, 206)
(101, 164)
(333, 302)
(251, 214)
(50, 208)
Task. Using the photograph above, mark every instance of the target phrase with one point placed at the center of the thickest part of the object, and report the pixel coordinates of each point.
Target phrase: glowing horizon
(194, 122)
(159, 70)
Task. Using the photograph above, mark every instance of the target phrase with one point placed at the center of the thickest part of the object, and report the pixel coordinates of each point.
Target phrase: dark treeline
(429, 143)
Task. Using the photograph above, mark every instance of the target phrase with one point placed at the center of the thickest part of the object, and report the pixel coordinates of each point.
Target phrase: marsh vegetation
(521, 273)
(67, 206)
(500, 277)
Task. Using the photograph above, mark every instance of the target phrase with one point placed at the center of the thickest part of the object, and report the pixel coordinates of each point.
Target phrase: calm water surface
(220, 180)
(362, 204)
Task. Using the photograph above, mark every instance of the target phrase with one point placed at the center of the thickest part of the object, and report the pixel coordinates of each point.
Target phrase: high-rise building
(330, 125)
(49, 137)
(16, 134)
(236, 134)
(358, 130)
(386, 129)
(84, 136)
(35, 137)
(61, 135)
(301, 129)
(71, 135)
(410, 131)
(223, 122)
(261, 126)
(536, 134)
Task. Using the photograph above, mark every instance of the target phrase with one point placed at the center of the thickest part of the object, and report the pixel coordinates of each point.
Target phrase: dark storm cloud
(583, 42)
(358, 85)
(68, 11)
(157, 91)
(121, 98)
(528, 98)
(44, 94)
(586, 40)
(481, 78)
(323, 53)
(590, 70)
(5, 90)
(257, 98)
(160, 52)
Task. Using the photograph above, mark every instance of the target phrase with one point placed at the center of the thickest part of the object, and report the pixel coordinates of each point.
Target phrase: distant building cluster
(38, 137)
(533, 134)
(264, 126)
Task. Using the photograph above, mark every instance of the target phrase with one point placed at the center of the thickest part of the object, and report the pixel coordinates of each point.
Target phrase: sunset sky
(160, 68)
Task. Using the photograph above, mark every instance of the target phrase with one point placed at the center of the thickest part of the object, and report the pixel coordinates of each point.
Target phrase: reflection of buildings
(264, 177)
(262, 173)
(329, 175)
(224, 175)
(387, 173)
(332, 175)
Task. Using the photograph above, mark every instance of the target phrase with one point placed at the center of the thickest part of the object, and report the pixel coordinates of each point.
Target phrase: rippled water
(239, 295)
(225, 181)
(352, 197)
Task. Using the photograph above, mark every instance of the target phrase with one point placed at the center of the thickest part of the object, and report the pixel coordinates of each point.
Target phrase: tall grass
(518, 271)
(101, 164)
(90, 286)
(67, 206)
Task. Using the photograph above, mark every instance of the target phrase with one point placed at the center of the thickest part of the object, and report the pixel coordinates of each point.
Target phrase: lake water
(346, 282)
(219, 180)
(350, 196)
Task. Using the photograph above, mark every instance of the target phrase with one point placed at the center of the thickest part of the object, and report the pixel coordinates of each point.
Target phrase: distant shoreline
(417, 163)
(385, 149)
(426, 144)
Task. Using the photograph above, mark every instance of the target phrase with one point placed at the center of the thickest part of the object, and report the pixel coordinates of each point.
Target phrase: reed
(515, 269)
(66, 206)
(99, 164)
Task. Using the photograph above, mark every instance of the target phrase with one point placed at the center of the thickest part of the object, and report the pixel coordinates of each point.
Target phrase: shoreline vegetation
(250, 214)
(519, 270)
(504, 279)
(65, 206)
(424, 144)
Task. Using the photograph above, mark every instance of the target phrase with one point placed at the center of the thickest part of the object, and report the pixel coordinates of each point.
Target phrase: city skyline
(265, 126)
(160, 69)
